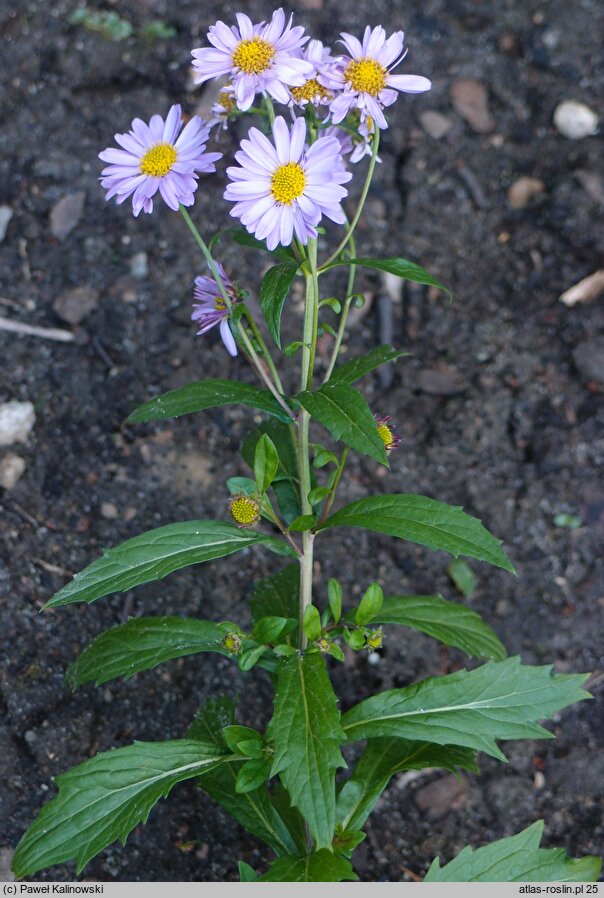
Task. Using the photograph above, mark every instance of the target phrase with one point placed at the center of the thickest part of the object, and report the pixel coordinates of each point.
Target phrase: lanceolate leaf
(143, 643)
(516, 859)
(449, 622)
(320, 866)
(305, 732)
(155, 554)
(380, 761)
(402, 268)
(353, 370)
(424, 521)
(344, 412)
(500, 700)
(207, 394)
(104, 798)
(273, 292)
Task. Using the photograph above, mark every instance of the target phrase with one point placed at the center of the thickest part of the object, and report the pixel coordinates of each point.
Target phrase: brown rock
(470, 100)
(441, 381)
(435, 124)
(11, 468)
(441, 796)
(74, 305)
(66, 214)
(522, 190)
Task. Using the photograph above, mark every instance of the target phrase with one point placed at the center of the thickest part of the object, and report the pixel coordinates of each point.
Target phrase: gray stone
(16, 422)
(74, 305)
(435, 124)
(66, 214)
(139, 265)
(575, 120)
(6, 213)
(11, 468)
(589, 359)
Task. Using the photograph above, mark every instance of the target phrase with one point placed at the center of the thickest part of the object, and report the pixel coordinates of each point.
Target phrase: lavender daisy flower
(356, 145)
(312, 91)
(209, 308)
(155, 158)
(256, 57)
(363, 79)
(286, 188)
(222, 108)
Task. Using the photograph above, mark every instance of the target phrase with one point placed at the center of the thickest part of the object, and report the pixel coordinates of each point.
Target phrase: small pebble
(522, 191)
(435, 124)
(30, 737)
(575, 120)
(588, 357)
(74, 305)
(6, 213)
(470, 99)
(109, 510)
(16, 422)
(11, 468)
(66, 214)
(139, 265)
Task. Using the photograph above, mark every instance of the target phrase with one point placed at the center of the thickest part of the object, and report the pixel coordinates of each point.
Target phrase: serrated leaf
(140, 644)
(353, 370)
(266, 463)
(277, 594)
(449, 622)
(381, 760)
(344, 412)
(104, 798)
(500, 700)
(305, 732)
(402, 268)
(320, 866)
(274, 288)
(462, 576)
(203, 394)
(516, 859)
(211, 719)
(157, 553)
(424, 521)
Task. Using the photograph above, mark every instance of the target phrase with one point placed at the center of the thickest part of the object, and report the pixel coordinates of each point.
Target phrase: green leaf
(302, 522)
(334, 594)
(266, 463)
(203, 394)
(285, 486)
(402, 268)
(157, 553)
(500, 700)
(317, 494)
(246, 873)
(424, 521)
(381, 760)
(253, 810)
(320, 866)
(104, 798)
(369, 606)
(268, 629)
(344, 412)
(312, 623)
(277, 594)
(251, 657)
(274, 288)
(353, 370)
(449, 622)
(305, 731)
(324, 457)
(516, 859)
(140, 644)
(252, 775)
(463, 577)
(233, 734)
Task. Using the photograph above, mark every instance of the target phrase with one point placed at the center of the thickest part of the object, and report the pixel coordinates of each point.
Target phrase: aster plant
(288, 784)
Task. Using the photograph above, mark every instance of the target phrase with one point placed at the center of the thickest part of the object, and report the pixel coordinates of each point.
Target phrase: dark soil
(512, 429)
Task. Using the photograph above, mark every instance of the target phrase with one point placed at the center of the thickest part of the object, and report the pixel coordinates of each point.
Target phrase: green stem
(229, 304)
(270, 109)
(344, 316)
(265, 350)
(336, 483)
(357, 215)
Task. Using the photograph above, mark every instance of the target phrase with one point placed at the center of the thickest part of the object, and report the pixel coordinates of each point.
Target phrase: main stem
(309, 341)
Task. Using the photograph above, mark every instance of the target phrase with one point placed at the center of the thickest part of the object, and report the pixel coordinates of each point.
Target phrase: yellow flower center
(366, 75)
(232, 643)
(311, 90)
(226, 100)
(253, 55)
(385, 434)
(158, 161)
(244, 510)
(288, 183)
(219, 304)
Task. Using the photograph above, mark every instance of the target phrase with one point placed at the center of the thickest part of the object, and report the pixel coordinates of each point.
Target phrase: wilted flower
(244, 510)
(285, 188)
(210, 309)
(233, 643)
(312, 91)
(363, 79)
(256, 57)
(155, 158)
(385, 428)
(223, 107)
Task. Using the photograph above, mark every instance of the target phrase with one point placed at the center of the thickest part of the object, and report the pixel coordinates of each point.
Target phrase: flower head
(375, 640)
(386, 428)
(256, 57)
(154, 157)
(223, 107)
(210, 309)
(363, 80)
(284, 187)
(312, 91)
(233, 643)
(245, 510)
